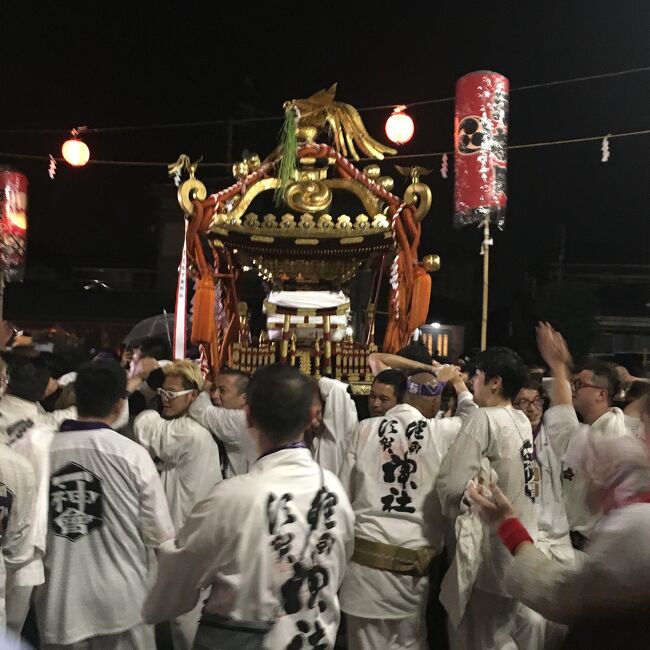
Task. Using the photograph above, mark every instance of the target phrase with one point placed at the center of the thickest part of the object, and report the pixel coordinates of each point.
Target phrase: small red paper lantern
(75, 152)
(399, 126)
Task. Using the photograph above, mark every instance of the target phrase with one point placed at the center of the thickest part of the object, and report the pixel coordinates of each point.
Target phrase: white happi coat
(230, 427)
(29, 429)
(553, 538)
(568, 438)
(189, 455)
(34, 445)
(389, 473)
(504, 437)
(273, 544)
(18, 499)
(107, 511)
(340, 419)
(17, 415)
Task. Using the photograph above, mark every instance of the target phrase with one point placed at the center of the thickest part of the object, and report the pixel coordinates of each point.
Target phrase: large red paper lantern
(399, 126)
(13, 223)
(75, 152)
(481, 139)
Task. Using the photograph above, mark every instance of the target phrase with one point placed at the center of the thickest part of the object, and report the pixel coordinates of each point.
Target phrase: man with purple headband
(389, 473)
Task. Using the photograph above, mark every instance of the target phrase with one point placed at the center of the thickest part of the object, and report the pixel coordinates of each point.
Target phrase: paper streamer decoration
(481, 139)
(604, 149)
(180, 315)
(51, 169)
(13, 223)
(444, 166)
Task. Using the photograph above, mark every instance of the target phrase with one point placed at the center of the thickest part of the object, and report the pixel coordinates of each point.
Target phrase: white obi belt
(306, 323)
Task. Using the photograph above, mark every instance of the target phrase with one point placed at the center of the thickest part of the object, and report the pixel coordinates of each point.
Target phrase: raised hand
(448, 373)
(552, 346)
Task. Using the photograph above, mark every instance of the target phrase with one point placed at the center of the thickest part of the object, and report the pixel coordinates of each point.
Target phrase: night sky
(67, 64)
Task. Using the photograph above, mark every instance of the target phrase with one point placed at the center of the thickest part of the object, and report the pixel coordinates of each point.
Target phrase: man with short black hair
(498, 438)
(107, 511)
(230, 389)
(272, 543)
(387, 391)
(553, 539)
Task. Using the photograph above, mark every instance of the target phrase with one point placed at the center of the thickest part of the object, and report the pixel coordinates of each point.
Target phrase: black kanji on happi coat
(528, 460)
(400, 469)
(6, 504)
(304, 562)
(76, 504)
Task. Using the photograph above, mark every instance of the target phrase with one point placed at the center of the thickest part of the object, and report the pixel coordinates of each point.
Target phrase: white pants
(488, 624)
(140, 637)
(386, 634)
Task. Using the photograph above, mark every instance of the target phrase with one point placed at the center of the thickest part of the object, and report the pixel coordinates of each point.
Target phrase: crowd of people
(484, 506)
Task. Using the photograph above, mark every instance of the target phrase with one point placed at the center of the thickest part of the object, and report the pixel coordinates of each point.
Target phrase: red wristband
(512, 533)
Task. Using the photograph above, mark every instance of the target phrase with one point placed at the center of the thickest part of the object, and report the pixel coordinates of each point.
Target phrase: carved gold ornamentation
(270, 221)
(368, 199)
(256, 188)
(387, 183)
(240, 169)
(191, 190)
(306, 133)
(431, 263)
(373, 172)
(308, 196)
(251, 220)
(345, 122)
(361, 222)
(253, 162)
(307, 221)
(419, 195)
(344, 222)
(360, 388)
(287, 221)
(325, 221)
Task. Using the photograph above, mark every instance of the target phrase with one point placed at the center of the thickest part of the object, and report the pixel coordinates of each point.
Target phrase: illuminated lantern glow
(481, 147)
(399, 126)
(13, 223)
(75, 152)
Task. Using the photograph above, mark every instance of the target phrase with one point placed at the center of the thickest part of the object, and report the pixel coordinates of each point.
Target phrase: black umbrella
(160, 326)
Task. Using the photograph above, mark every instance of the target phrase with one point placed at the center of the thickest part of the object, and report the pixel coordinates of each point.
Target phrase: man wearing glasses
(553, 540)
(189, 458)
(589, 395)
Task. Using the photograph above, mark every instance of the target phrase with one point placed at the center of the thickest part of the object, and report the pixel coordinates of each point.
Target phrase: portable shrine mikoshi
(306, 219)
